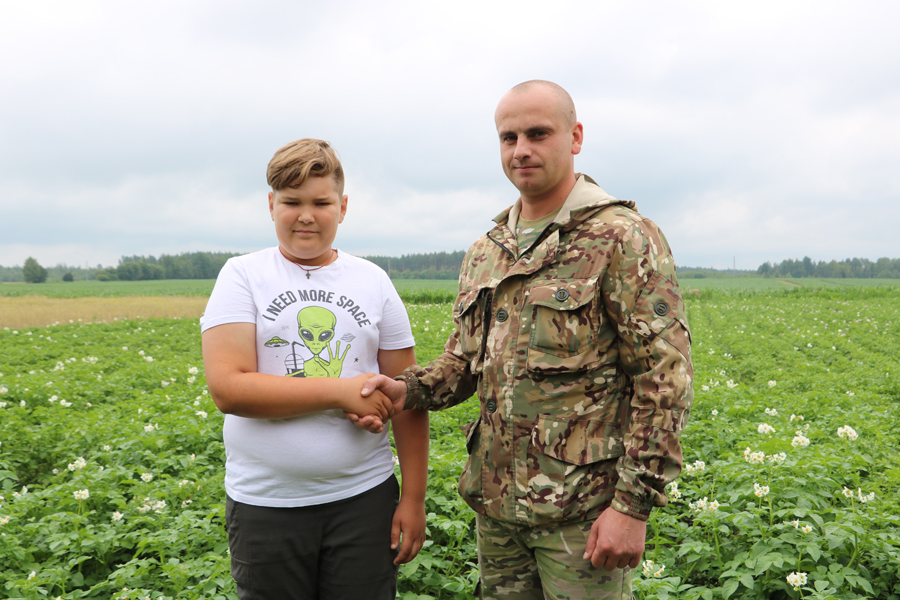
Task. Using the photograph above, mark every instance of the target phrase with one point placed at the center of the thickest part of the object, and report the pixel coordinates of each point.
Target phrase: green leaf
(747, 580)
(729, 588)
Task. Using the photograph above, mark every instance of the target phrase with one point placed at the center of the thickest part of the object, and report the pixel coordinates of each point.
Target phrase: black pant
(335, 551)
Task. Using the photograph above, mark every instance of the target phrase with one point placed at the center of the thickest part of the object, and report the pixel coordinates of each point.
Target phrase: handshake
(371, 400)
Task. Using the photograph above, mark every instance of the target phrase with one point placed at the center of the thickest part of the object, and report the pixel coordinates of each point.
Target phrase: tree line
(851, 268)
(434, 265)
(189, 265)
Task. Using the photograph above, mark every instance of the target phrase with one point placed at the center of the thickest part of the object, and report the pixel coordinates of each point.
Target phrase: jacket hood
(584, 200)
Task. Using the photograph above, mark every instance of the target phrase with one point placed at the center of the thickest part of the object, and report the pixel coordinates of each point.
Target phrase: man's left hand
(616, 541)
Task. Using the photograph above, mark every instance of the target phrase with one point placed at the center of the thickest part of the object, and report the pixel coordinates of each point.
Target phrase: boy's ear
(343, 208)
(272, 205)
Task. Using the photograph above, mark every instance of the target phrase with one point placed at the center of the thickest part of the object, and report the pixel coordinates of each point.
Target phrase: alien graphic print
(330, 325)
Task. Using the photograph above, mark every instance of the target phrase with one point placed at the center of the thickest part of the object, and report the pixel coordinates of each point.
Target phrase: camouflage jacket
(579, 350)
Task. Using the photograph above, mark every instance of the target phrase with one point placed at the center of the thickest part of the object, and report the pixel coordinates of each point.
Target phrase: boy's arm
(411, 438)
(229, 359)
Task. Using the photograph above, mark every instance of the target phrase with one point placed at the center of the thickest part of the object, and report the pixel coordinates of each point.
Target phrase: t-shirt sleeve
(231, 300)
(395, 332)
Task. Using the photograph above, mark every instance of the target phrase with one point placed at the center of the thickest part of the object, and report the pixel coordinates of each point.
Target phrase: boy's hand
(395, 391)
(375, 404)
(408, 524)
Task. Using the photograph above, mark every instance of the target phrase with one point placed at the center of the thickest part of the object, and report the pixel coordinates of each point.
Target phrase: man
(571, 329)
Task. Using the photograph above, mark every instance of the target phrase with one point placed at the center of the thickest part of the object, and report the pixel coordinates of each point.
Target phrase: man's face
(537, 145)
(306, 219)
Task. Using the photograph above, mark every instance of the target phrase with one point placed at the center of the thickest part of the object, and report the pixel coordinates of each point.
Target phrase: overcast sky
(749, 131)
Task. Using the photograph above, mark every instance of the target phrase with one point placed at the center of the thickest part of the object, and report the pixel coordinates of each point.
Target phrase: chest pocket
(564, 326)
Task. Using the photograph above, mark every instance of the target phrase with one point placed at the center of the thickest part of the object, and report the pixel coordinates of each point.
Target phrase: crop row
(111, 460)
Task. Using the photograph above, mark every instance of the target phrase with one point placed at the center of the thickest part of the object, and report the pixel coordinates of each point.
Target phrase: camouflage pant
(538, 563)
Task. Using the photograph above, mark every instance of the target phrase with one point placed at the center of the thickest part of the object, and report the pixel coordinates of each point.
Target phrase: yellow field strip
(39, 311)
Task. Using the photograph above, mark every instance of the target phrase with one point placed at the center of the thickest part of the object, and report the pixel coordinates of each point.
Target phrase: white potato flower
(797, 579)
(765, 428)
(847, 432)
(800, 440)
(147, 477)
(81, 494)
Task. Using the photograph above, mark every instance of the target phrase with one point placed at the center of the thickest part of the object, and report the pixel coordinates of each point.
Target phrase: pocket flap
(658, 306)
(465, 300)
(563, 295)
(578, 442)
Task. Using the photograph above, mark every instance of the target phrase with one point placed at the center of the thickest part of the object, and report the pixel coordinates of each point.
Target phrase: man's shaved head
(539, 138)
(563, 100)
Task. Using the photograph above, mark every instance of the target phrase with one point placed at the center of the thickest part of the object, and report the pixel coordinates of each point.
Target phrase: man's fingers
(591, 544)
(372, 384)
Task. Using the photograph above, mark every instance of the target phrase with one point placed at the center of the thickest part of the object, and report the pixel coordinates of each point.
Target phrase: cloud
(768, 130)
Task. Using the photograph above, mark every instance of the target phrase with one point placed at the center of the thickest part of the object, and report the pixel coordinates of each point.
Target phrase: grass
(745, 284)
(110, 289)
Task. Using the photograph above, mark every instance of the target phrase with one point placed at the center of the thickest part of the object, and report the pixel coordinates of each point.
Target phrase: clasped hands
(375, 401)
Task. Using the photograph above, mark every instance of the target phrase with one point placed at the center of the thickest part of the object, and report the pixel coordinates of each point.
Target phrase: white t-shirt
(331, 324)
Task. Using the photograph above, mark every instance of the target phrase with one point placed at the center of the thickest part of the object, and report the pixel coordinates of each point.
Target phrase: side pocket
(571, 467)
(470, 481)
(238, 544)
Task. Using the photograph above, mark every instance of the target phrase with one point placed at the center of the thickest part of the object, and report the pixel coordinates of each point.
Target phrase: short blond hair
(293, 163)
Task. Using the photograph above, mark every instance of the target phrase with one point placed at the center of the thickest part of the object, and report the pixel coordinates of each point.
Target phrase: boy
(312, 509)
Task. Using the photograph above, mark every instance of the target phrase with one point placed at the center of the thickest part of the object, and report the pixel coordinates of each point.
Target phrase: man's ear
(577, 137)
(272, 205)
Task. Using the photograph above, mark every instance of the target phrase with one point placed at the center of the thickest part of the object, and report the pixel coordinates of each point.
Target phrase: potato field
(111, 458)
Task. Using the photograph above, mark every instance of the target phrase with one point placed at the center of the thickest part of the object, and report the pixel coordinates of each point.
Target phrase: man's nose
(523, 150)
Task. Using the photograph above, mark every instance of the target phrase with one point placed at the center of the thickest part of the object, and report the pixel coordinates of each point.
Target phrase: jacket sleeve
(452, 377)
(642, 298)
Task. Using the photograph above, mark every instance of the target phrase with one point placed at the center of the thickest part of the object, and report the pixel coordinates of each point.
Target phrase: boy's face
(306, 219)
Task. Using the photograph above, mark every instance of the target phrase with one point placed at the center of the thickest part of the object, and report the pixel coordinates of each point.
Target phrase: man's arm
(642, 298)
(411, 439)
(229, 359)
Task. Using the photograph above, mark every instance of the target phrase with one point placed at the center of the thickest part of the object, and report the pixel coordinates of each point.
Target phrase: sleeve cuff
(638, 508)
(412, 389)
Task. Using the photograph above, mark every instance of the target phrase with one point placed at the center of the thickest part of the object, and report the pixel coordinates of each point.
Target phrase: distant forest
(189, 265)
(434, 265)
(851, 268)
